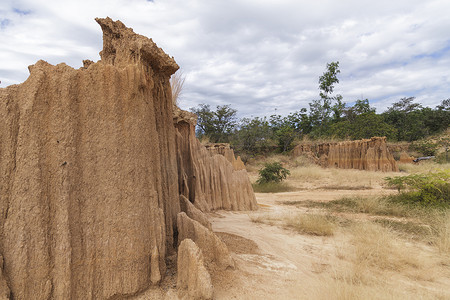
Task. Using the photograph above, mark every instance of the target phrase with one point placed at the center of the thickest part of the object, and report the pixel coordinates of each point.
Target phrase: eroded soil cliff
(368, 154)
(89, 165)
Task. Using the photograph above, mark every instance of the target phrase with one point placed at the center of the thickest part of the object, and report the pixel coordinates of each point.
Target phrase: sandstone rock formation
(225, 150)
(192, 275)
(206, 177)
(214, 250)
(89, 165)
(368, 154)
(193, 212)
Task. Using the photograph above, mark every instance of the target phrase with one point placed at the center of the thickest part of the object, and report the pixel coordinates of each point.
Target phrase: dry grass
(272, 187)
(370, 260)
(387, 250)
(369, 205)
(176, 84)
(307, 175)
(408, 229)
(267, 218)
(345, 179)
(423, 167)
(311, 224)
(345, 187)
(346, 289)
(310, 173)
(442, 239)
(376, 246)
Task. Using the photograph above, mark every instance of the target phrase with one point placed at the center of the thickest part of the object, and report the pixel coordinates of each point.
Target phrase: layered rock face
(89, 164)
(368, 154)
(225, 150)
(87, 167)
(211, 179)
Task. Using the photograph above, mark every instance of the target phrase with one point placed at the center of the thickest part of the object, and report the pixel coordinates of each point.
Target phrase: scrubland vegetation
(395, 226)
(389, 232)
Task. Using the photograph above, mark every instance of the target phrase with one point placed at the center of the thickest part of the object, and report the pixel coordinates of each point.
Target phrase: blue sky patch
(4, 23)
(436, 54)
(21, 12)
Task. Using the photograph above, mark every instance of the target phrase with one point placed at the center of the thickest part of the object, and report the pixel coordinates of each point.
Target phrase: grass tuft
(345, 187)
(370, 205)
(272, 187)
(311, 224)
(442, 229)
(376, 246)
(416, 231)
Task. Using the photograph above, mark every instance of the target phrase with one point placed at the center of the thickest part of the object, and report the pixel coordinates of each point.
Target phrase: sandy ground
(277, 263)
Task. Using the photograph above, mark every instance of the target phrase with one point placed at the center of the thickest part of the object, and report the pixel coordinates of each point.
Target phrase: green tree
(217, 124)
(285, 135)
(253, 136)
(284, 131)
(321, 109)
(369, 124)
(360, 107)
(438, 119)
(300, 121)
(361, 122)
(408, 118)
(328, 79)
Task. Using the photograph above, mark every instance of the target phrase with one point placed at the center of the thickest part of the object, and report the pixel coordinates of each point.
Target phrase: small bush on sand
(272, 172)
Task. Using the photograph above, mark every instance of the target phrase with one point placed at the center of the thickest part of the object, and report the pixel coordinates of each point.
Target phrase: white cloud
(257, 56)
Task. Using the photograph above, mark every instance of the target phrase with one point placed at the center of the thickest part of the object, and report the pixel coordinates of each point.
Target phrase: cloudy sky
(260, 56)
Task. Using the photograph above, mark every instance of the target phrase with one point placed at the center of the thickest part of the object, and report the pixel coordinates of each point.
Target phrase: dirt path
(277, 263)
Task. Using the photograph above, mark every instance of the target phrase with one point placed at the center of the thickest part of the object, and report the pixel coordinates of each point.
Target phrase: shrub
(272, 172)
(427, 148)
(429, 189)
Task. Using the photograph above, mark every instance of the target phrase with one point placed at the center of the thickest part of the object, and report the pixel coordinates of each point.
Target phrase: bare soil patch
(362, 259)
